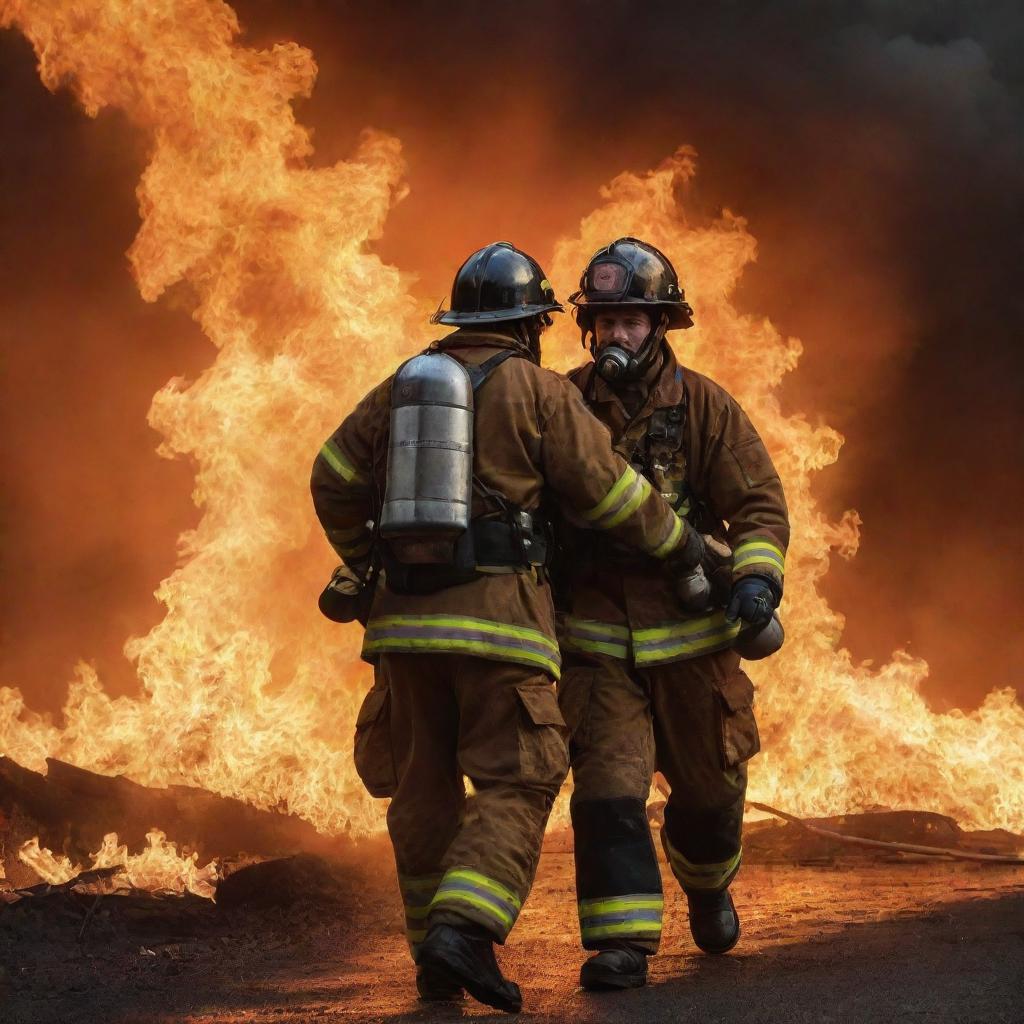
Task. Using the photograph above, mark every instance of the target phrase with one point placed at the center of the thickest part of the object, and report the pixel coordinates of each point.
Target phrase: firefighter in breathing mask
(651, 676)
(431, 489)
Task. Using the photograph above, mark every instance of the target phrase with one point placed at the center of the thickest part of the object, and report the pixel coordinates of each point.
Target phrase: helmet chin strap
(616, 364)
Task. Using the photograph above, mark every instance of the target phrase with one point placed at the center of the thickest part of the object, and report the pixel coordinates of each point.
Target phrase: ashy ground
(922, 943)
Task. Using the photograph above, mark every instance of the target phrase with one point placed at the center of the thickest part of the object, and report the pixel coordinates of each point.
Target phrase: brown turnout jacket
(719, 475)
(532, 435)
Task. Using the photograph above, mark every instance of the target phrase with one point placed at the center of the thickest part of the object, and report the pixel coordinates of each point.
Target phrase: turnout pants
(692, 720)
(430, 722)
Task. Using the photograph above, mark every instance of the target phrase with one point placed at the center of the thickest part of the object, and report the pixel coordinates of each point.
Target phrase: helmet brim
(679, 314)
(493, 316)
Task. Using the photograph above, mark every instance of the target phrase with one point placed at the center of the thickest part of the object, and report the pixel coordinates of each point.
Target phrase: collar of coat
(467, 338)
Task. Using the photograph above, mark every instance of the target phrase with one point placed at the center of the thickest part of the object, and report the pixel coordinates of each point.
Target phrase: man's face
(625, 326)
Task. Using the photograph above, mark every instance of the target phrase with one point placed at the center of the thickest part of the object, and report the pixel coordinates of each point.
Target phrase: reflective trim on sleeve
(627, 494)
(479, 898)
(618, 489)
(671, 542)
(759, 551)
(677, 641)
(635, 916)
(332, 454)
(499, 641)
(595, 637)
(710, 877)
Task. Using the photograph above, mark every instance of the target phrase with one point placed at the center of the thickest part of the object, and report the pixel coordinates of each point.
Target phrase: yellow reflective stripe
(335, 458)
(638, 497)
(610, 906)
(598, 637)
(671, 542)
(461, 896)
(700, 876)
(758, 552)
(684, 639)
(618, 488)
(625, 927)
(515, 654)
(575, 643)
(416, 935)
(595, 628)
(415, 912)
(464, 622)
(483, 882)
(685, 648)
(681, 629)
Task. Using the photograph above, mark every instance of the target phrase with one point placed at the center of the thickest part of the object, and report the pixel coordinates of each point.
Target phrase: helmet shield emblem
(609, 280)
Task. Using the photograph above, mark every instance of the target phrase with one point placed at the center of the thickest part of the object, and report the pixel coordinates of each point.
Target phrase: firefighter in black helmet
(652, 676)
(501, 284)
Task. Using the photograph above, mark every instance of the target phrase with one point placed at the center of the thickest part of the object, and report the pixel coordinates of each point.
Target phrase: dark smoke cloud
(876, 149)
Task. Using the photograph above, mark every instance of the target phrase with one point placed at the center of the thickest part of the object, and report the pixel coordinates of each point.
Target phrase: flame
(158, 867)
(48, 866)
(246, 691)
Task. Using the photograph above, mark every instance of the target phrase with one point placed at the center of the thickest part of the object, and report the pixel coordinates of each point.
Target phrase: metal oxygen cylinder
(753, 644)
(430, 454)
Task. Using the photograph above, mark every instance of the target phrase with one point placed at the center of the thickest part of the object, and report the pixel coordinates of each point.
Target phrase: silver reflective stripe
(680, 640)
(596, 637)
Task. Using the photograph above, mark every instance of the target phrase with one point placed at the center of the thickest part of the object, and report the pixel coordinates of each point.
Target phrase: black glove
(347, 597)
(753, 599)
(688, 555)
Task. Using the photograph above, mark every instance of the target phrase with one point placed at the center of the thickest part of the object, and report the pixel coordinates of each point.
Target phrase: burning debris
(94, 820)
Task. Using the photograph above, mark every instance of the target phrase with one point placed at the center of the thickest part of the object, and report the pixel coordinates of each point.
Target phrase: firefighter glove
(753, 599)
(688, 555)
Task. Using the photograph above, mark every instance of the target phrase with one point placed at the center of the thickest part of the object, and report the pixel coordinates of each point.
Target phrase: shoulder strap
(478, 374)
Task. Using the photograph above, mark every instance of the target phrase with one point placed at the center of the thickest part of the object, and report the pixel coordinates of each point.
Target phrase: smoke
(875, 149)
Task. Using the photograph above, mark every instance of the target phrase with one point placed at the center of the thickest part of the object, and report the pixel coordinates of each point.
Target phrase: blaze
(245, 690)
(158, 867)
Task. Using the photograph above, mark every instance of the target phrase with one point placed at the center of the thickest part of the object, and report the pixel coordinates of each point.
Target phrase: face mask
(615, 363)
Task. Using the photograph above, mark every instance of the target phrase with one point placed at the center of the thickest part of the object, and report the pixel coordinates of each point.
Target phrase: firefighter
(651, 676)
(432, 488)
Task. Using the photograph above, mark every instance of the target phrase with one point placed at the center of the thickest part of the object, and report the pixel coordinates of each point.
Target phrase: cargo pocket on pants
(543, 754)
(738, 736)
(374, 757)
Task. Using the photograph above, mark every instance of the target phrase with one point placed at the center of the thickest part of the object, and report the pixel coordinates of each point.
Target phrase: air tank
(430, 455)
(755, 644)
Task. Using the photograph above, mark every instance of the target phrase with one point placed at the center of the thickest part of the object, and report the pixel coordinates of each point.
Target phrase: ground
(924, 943)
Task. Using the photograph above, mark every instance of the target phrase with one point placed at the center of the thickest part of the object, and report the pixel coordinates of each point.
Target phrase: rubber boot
(436, 988)
(714, 923)
(469, 962)
(616, 968)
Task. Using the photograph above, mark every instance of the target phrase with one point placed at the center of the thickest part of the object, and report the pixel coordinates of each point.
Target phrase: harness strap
(478, 374)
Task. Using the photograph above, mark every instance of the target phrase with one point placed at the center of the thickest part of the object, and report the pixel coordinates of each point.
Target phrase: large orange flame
(246, 691)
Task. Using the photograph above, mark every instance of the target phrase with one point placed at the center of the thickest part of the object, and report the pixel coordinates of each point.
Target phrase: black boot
(467, 961)
(714, 923)
(436, 988)
(621, 967)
